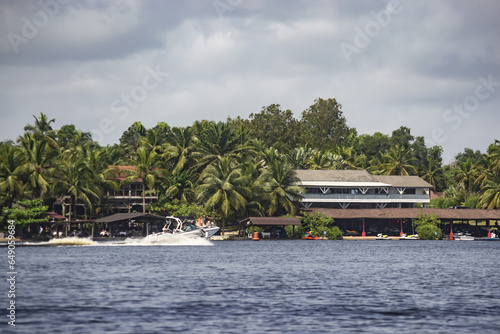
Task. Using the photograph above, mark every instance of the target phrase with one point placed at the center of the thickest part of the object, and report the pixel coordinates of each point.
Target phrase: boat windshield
(188, 227)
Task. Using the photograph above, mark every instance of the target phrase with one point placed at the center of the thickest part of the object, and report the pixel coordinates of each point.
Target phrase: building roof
(121, 172)
(126, 216)
(357, 178)
(396, 213)
(412, 181)
(54, 215)
(271, 221)
(335, 175)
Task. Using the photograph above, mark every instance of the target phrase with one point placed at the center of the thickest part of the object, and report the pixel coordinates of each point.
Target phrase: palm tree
(299, 157)
(75, 179)
(129, 141)
(42, 130)
(153, 140)
(490, 198)
(42, 125)
(284, 187)
(180, 148)
(431, 172)
(466, 175)
(398, 161)
(103, 175)
(319, 160)
(375, 163)
(76, 145)
(114, 155)
(362, 162)
(147, 171)
(37, 163)
(257, 177)
(180, 186)
(216, 141)
(494, 157)
(222, 189)
(346, 157)
(11, 184)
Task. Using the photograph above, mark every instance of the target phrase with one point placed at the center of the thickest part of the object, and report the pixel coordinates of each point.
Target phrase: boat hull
(201, 232)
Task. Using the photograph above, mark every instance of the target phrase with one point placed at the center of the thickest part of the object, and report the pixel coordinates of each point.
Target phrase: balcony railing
(129, 193)
(359, 197)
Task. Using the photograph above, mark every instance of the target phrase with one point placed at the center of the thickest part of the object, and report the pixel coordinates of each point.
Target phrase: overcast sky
(433, 66)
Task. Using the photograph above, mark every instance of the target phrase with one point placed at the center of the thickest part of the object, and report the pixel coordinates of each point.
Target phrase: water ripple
(264, 287)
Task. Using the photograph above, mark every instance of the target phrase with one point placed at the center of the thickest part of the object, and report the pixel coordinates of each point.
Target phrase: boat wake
(69, 241)
(159, 240)
(164, 240)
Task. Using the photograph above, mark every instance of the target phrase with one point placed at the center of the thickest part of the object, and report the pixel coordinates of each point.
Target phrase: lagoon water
(259, 287)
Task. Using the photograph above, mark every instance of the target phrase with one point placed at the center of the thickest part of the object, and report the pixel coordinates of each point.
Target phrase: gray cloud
(232, 60)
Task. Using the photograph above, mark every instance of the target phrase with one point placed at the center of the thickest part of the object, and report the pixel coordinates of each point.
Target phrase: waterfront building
(357, 189)
(364, 205)
(129, 197)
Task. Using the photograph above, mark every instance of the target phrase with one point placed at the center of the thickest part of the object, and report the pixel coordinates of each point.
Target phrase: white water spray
(167, 240)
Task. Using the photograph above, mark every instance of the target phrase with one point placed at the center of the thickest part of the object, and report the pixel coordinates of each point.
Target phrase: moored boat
(461, 236)
(381, 236)
(404, 236)
(310, 236)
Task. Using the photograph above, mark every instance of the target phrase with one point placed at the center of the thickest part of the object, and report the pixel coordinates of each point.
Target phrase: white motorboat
(408, 237)
(174, 225)
(461, 236)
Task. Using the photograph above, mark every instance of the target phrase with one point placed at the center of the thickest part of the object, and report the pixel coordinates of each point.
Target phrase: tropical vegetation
(227, 170)
(427, 227)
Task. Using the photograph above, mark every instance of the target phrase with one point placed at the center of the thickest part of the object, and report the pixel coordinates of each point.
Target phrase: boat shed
(274, 226)
(395, 219)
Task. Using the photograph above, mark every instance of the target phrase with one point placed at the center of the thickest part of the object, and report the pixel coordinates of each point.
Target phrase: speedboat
(381, 236)
(461, 236)
(408, 237)
(174, 225)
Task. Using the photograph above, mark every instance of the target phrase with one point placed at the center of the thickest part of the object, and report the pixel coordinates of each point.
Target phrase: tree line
(232, 169)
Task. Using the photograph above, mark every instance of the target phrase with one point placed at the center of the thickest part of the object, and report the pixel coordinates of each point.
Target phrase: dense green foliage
(427, 228)
(320, 225)
(27, 212)
(229, 170)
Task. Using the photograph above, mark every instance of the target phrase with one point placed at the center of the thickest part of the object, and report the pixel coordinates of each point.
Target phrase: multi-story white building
(357, 189)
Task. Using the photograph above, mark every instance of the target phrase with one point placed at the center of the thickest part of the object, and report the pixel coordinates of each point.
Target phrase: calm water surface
(260, 287)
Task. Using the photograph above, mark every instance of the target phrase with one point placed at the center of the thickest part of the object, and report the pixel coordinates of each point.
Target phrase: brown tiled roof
(271, 221)
(395, 213)
(121, 172)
